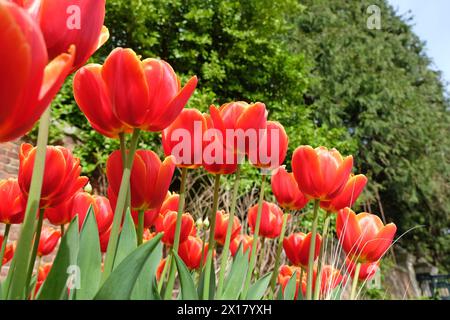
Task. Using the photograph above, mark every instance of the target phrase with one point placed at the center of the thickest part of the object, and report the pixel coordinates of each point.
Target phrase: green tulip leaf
(212, 283)
(64, 265)
(89, 259)
(289, 291)
(119, 285)
(236, 278)
(257, 290)
(127, 239)
(188, 290)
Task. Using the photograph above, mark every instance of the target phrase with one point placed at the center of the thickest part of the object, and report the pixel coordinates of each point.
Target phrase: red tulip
(217, 158)
(28, 83)
(366, 272)
(101, 208)
(43, 272)
(190, 252)
(169, 225)
(296, 247)
(286, 190)
(348, 196)
(320, 173)
(169, 204)
(66, 23)
(244, 121)
(48, 241)
(104, 240)
(148, 235)
(160, 268)
(363, 236)
(271, 220)
(183, 139)
(272, 146)
(9, 251)
(149, 182)
(331, 278)
(92, 97)
(285, 274)
(142, 94)
(220, 232)
(12, 208)
(61, 175)
(245, 240)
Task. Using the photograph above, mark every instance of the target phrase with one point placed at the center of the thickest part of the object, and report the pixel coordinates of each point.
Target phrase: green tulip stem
(226, 246)
(123, 152)
(37, 238)
(140, 228)
(355, 281)
(251, 266)
(19, 266)
(312, 248)
(33, 292)
(320, 263)
(212, 228)
(273, 280)
(120, 206)
(176, 242)
(5, 242)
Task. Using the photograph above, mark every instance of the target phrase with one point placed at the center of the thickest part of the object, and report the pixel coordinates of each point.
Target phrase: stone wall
(9, 159)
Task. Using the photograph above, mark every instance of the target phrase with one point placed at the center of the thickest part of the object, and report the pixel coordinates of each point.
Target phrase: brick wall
(9, 159)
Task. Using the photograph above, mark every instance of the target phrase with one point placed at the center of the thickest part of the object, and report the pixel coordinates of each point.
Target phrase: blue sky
(431, 24)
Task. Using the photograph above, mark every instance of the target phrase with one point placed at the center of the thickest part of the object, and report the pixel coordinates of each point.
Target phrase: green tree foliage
(321, 72)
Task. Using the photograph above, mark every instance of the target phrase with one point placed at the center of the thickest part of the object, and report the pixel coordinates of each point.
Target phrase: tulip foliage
(138, 241)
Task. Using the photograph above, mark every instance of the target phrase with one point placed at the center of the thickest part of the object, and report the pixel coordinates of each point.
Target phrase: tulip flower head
(61, 175)
(296, 247)
(160, 268)
(348, 196)
(366, 272)
(169, 226)
(104, 240)
(271, 220)
(48, 241)
(42, 274)
(61, 214)
(12, 207)
(149, 182)
(286, 273)
(331, 278)
(66, 23)
(320, 173)
(183, 139)
(132, 93)
(286, 191)
(28, 82)
(363, 236)
(244, 240)
(220, 232)
(101, 208)
(190, 251)
(9, 251)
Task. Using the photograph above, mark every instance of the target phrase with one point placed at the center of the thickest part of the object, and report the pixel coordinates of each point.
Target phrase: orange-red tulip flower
(66, 23)
(48, 241)
(61, 175)
(363, 236)
(285, 274)
(272, 146)
(148, 235)
(286, 190)
(271, 220)
(104, 240)
(61, 214)
(183, 139)
(217, 158)
(366, 272)
(149, 182)
(296, 247)
(242, 239)
(190, 252)
(348, 196)
(220, 232)
(160, 268)
(43, 272)
(240, 116)
(320, 173)
(142, 94)
(169, 225)
(12, 206)
(9, 251)
(28, 83)
(331, 278)
(170, 204)
(102, 210)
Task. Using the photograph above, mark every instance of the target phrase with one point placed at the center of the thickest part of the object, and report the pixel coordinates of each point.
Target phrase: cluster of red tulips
(121, 98)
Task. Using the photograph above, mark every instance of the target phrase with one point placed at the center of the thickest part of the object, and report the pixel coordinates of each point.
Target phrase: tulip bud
(206, 223)
(199, 223)
(88, 188)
